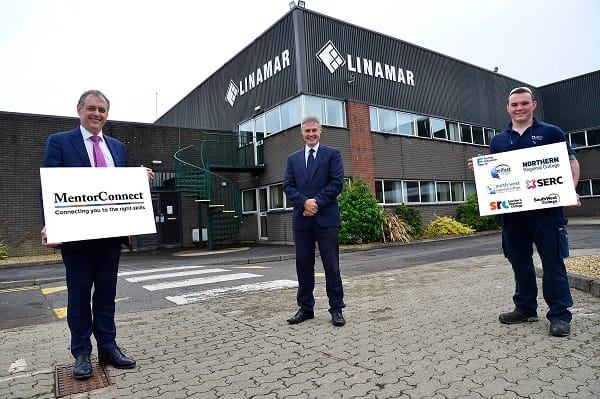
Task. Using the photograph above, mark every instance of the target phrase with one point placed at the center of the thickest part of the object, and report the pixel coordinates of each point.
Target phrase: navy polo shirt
(539, 133)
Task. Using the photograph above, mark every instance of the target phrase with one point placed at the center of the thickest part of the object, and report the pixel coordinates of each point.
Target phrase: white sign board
(522, 180)
(89, 203)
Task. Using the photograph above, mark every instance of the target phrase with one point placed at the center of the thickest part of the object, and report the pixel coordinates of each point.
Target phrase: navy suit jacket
(324, 186)
(67, 149)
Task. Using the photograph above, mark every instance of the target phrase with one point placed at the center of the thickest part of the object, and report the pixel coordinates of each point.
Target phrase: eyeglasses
(520, 90)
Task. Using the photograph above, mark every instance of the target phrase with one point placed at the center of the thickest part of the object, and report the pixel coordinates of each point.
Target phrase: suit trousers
(93, 264)
(328, 241)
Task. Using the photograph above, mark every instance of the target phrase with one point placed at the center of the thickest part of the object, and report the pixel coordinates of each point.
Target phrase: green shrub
(413, 218)
(360, 213)
(468, 214)
(445, 226)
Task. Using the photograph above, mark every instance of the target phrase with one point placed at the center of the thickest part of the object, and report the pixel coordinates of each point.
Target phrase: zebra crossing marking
(199, 281)
(240, 289)
(174, 274)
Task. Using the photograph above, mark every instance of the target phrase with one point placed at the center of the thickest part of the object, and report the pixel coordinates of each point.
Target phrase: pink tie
(99, 160)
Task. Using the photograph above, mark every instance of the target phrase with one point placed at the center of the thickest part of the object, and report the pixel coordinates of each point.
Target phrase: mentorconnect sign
(90, 203)
(522, 180)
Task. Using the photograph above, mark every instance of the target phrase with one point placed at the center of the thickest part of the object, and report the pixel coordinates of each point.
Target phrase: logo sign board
(90, 203)
(522, 180)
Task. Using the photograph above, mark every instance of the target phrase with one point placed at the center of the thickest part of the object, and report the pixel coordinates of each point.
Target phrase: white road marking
(217, 292)
(175, 274)
(164, 269)
(199, 281)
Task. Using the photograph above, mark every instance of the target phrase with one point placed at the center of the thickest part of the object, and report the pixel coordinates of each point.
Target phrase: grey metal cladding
(573, 103)
(443, 86)
(206, 106)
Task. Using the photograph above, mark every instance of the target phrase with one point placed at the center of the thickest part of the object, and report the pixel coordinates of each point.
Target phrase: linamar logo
(331, 57)
(333, 60)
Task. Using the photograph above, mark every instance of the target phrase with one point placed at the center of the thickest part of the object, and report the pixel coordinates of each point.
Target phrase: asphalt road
(158, 279)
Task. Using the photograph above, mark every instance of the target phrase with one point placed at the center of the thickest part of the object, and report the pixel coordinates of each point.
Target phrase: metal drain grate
(67, 385)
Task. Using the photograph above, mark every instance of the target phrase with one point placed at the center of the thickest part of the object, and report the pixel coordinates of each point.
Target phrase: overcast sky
(146, 55)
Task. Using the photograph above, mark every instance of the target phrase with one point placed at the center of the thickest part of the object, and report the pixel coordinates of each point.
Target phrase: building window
(593, 137)
(453, 131)
(595, 187)
(392, 192)
(584, 188)
(276, 197)
(374, 119)
(465, 133)
(438, 128)
(406, 123)
(335, 113)
(427, 191)
(443, 191)
(469, 189)
(246, 133)
(290, 113)
(387, 121)
(259, 128)
(410, 191)
(272, 122)
(379, 191)
(488, 133)
(249, 201)
(423, 126)
(315, 106)
(478, 135)
(458, 192)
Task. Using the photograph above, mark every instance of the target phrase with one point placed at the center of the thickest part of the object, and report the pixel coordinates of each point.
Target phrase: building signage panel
(333, 59)
(90, 203)
(522, 180)
(258, 75)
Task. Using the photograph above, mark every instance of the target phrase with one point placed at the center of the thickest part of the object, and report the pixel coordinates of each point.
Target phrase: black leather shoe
(83, 367)
(117, 359)
(559, 328)
(515, 317)
(300, 316)
(337, 319)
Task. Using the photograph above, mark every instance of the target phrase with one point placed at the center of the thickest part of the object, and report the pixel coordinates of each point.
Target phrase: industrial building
(405, 118)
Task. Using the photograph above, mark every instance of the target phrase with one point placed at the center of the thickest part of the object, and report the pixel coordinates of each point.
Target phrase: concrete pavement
(428, 331)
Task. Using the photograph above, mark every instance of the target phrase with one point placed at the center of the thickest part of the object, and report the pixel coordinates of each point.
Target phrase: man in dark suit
(90, 263)
(314, 177)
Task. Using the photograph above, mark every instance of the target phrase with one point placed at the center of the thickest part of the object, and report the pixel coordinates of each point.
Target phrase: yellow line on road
(61, 313)
(320, 274)
(7, 290)
(52, 290)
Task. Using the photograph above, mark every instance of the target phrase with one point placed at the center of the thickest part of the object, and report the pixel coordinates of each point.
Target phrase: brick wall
(361, 143)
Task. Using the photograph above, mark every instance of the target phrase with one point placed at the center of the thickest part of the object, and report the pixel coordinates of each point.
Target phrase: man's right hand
(310, 207)
(45, 242)
(470, 162)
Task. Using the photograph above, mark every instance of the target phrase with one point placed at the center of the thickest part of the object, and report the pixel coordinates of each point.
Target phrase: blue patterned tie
(310, 162)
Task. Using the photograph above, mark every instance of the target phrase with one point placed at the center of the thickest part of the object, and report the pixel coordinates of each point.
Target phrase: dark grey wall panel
(414, 158)
(574, 103)
(443, 86)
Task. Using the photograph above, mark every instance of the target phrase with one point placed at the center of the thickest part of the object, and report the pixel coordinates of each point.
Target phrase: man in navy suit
(90, 263)
(314, 177)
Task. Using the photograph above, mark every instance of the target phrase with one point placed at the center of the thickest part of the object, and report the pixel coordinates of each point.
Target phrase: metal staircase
(218, 199)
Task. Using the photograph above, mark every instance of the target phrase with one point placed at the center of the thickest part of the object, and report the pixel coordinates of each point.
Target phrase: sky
(146, 55)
